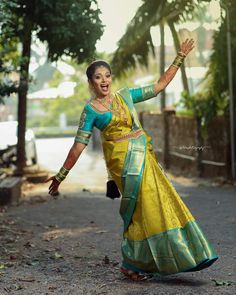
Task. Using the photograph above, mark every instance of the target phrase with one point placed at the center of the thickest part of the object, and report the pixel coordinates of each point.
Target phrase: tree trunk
(162, 63)
(177, 47)
(163, 99)
(22, 100)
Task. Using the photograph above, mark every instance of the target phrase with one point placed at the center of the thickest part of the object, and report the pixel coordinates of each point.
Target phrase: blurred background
(45, 49)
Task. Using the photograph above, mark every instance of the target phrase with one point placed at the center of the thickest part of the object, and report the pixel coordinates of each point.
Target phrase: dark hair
(95, 64)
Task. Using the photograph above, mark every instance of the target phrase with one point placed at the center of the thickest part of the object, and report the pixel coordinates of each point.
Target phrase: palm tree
(136, 43)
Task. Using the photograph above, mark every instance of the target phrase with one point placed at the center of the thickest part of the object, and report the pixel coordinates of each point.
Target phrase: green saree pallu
(160, 234)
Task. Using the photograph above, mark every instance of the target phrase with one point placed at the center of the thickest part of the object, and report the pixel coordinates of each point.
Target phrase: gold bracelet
(61, 175)
(178, 60)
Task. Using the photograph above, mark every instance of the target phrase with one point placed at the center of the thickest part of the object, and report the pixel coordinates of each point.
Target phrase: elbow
(159, 87)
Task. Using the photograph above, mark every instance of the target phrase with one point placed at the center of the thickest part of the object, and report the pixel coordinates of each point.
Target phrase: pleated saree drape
(160, 234)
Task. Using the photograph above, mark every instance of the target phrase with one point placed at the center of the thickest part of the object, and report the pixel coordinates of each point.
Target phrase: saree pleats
(160, 234)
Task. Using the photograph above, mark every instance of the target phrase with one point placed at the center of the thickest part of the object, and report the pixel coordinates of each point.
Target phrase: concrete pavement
(72, 245)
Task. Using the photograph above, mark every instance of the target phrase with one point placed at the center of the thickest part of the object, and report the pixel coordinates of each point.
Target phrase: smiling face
(101, 81)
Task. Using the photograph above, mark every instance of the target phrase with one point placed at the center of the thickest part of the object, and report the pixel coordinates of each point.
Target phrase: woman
(160, 234)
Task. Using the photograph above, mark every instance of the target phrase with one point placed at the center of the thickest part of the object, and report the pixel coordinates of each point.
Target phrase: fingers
(188, 41)
(190, 44)
(51, 185)
(48, 179)
(53, 191)
(53, 188)
(187, 46)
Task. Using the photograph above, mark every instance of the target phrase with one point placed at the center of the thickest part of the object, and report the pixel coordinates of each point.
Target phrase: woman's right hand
(187, 46)
(53, 188)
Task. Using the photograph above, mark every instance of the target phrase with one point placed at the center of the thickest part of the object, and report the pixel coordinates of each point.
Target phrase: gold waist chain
(131, 134)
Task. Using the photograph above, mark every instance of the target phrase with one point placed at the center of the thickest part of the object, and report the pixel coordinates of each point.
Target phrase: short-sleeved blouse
(90, 117)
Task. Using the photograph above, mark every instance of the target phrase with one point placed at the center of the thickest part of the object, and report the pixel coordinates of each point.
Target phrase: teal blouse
(90, 118)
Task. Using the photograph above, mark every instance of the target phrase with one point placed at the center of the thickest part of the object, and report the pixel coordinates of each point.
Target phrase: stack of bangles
(179, 59)
(61, 175)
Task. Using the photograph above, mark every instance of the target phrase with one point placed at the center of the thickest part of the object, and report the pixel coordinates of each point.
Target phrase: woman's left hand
(53, 188)
(187, 46)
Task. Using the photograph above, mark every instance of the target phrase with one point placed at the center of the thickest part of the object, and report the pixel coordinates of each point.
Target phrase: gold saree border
(176, 250)
(131, 177)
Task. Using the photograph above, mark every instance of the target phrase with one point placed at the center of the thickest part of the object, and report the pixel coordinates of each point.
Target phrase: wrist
(61, 175)
(179, 59)
(182, 53)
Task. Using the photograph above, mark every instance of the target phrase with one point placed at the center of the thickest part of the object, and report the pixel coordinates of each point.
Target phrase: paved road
(71, 246)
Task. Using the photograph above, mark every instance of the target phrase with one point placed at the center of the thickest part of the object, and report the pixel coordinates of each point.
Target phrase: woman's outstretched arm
(74, 154)
(140, 94)
(169, 74)
(72, 157)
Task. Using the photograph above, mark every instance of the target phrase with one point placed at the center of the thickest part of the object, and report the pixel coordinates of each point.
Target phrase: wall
(182, 153)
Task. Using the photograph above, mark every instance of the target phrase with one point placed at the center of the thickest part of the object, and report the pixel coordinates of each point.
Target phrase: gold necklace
(104, 101)
(120, 110)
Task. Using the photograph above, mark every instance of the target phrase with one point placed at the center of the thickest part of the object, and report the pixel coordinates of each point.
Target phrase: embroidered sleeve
(142, 93)
(85, 127)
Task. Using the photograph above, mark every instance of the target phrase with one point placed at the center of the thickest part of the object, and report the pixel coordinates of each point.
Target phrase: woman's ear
(91, 87)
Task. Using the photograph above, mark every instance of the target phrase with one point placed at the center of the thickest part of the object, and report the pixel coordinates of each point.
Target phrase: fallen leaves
(224, 282)
(29, 245)
(49, 236)
(106, 259)
(57, 255)
(15, 287)
(51, 226)
(52, 288)
(27, 279)
(55, 233)
(33, 262)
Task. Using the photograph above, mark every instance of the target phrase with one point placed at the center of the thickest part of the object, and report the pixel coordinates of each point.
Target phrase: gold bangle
(61, 175)
(178, 60)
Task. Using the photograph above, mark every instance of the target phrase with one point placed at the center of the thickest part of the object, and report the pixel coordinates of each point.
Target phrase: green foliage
(202, 107)
(136, 42)
(217, 76)
(213, 99)
(7, 87)
(134, 46)
(73, 31)
(71, 107)
(9, 57)
(69, 27)
(188, 113)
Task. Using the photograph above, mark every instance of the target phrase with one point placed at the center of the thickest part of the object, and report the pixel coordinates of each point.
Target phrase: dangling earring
(92, 91)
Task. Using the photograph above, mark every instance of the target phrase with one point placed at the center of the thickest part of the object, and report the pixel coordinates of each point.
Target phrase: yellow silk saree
(160, 234)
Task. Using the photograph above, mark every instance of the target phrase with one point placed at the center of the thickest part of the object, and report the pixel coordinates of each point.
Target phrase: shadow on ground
(72, 245)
